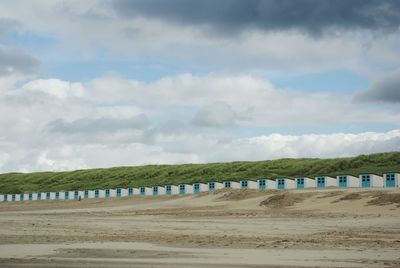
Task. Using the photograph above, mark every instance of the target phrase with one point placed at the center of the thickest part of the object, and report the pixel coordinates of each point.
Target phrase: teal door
(390, 180)
(281, 184)
(321, 182)
(196, 187)
(168, 190)
(107, 193)
(5, 198)
(155, 190)
(130, 191)
(342, 181)
(244, 184)
(76, 195)
(365, 181)
(47, 196)
(227, 184)
(118, 192)
(86, 194)
(30, 196)
(300, 183)
(21, 197)
(96, 194)
(39, 196)
(57, 195)
(142, 190)
(182, 189)
(262, 184)
(66, 195)
(211, 186)
(13, 198)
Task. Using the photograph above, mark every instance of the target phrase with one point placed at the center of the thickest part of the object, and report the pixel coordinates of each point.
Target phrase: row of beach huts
(344, 181)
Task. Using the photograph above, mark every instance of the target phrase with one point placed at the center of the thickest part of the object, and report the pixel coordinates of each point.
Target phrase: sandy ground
(228, 228)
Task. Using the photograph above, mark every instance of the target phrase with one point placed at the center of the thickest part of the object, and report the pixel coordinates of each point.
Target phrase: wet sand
(227, 228)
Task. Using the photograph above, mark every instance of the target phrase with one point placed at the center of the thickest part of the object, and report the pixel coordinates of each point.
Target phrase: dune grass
(189, 173)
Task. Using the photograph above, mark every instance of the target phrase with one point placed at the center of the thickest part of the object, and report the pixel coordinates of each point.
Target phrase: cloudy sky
(108, 83)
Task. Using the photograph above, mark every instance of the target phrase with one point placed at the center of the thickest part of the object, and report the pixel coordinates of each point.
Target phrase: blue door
(300, 183)
(365, 181)
(39, 196)
(181, 189)
(155, 190)
(86, 194)
(244, 184)
(118, 192)
(13, 198)
(21, 197)
(262, 184)
(130, 191)
(196, 187)
(321, 182)
(168, 190)
(30, 196)
(5, 198)
(281, 183)
(47, 196)
(57, 195)
(107, 193)
(211, 186)
(96, 194)
(390, 180)
(142, 190)
(66, 195)
(342, 181)
(227, 184)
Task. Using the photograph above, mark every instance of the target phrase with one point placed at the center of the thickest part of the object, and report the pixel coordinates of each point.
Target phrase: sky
(87, 84)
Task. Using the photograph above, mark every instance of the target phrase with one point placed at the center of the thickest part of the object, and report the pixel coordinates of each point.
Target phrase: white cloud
(55, 125)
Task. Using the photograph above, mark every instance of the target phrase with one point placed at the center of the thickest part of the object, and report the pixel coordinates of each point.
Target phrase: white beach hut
(264, 184)
(304, 182)
(391, 179)
(186, 189)
(231, 184)
(171, 189)
(370, 180)
(200, 187)
(158, 190)
(325, 181)
(344, 181)
(1, 197)
(284, 183)
(248, 184)
(214, 186)
(145, 191)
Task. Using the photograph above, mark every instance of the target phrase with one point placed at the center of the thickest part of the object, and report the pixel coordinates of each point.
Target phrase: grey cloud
(219, 114)
(7, 25)
(88, 125)
(232, 16)
(14, 60)
(384, 89)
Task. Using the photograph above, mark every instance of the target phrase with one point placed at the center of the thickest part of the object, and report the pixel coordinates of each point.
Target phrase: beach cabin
(344, 181)
(21, 197)
(57, 195)
(186, 189)
(266, 184)
(370, 180)
(325, 181)
(86, 194)
(171, 189)
(284, 183)
(247, 184)
(96, 194)
(158, 190)
(231, 184)
(38, 196)
(5, 198)
(391, 179)
(118, 192)
(130, 191)
(304, 182)
(13, 198)
(145, 191)
(200, 187)
(215, 186)
(66, 195)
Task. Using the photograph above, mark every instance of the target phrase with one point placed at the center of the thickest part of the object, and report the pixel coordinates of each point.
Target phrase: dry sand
(227, 228)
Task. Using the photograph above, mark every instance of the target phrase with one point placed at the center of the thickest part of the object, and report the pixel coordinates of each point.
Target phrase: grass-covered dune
(189, 173)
